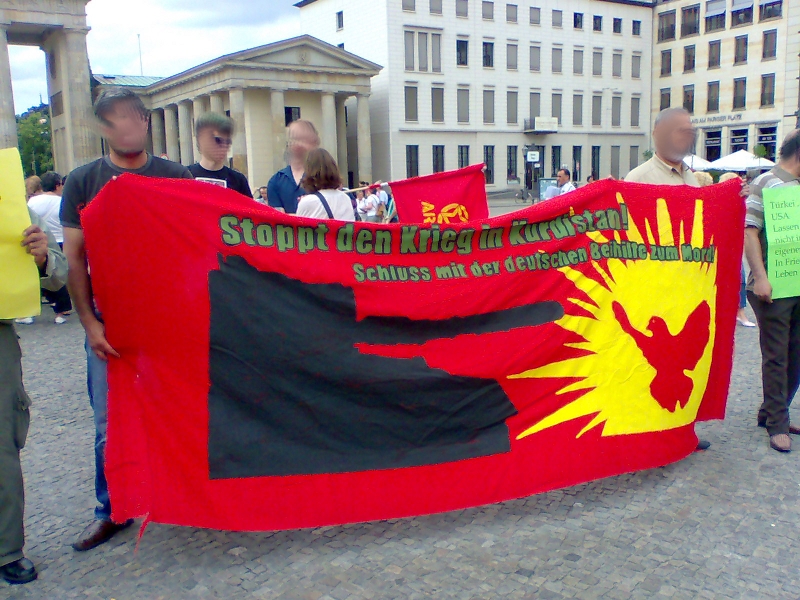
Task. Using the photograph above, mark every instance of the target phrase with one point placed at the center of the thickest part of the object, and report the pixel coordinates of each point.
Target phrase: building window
(291, 114)
(690, 20)
(437, 105)
(536, 106)
(768, 90)
(688, 98)
(438, 159)
(462, 8)
(409, 5)
(487, 10)
(511, 57)
(412, 161)
(408, 36)
(665, 99)
(714, 54)
(511, 163)
(436, 52)
(739, 139)
(740, 53)
(557, 59)
(557, 18)
(636, 66)
(713, 97)
(616, 111)
(768, 137)
(770, 46)
(636, 108)
(597, 110)
(616, 65)
(556, 107)
(577, 20)
(597, 23)
(666, 26)
(436, 7)
(666, 63)
(770, 10)
(555, 160)
(617, 27)
(339, 20)
(596, 161)
(715, 15)
(636, 28)
(576, 163)
(512, 102)
(577, 109)
(462, 53)
(740, 92)
(615, 152)
(577, 62)
(536, 58)
(422, 44)
(411, 103)
(536, 15)
(463, 156)
(713, 145)
(488, 160)
(634, 158)
(689, 55)
(488, 54)
(511, 13)
(597, 62)
(488, 106)
(742, 16)
(462, 100)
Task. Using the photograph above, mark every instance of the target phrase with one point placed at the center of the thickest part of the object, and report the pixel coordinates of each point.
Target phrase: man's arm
(80, 290)
(39, 241)
(755, 258)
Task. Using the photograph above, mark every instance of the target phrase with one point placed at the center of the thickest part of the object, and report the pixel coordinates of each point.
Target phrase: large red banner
(443, 198)
(282, 372)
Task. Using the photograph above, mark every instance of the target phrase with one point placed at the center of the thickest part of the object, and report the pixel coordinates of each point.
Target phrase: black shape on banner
(292, 395)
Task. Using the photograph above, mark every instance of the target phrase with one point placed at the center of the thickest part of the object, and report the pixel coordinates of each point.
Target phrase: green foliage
(34, 138)
(760, 151)
(648, 154)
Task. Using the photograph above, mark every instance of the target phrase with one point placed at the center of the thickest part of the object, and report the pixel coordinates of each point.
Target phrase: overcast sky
(176, 35)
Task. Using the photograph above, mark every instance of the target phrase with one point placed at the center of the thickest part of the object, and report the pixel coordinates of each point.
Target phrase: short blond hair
(704, 178)
(728, 177)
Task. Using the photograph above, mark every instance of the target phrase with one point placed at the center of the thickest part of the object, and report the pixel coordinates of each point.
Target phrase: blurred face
(562, 178)
(125, 129)
(359, 195)
(301, 140)
(213, 144)
(674, 137)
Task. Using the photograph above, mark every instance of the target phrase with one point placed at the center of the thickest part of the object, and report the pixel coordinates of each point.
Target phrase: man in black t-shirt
(214, 132)
(124, 122)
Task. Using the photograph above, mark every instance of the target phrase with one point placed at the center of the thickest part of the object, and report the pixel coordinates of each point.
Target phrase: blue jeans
(743, 290)
(98, 397)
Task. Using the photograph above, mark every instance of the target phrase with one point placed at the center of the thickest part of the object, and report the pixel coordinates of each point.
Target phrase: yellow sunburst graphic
(643, 302)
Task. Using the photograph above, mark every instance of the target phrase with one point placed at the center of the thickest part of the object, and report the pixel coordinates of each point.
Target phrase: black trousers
(60, 300)
(779, 324)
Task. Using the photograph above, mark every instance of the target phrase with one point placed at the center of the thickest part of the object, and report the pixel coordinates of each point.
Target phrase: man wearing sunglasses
(214, 132)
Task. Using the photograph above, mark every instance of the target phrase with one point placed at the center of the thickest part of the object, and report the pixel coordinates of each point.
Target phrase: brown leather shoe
(98, 532)
(780, 442)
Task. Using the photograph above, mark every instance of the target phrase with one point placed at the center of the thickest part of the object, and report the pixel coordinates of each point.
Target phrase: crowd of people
(309, 186)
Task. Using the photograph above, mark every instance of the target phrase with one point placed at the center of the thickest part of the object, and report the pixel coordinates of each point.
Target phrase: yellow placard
(19, 277)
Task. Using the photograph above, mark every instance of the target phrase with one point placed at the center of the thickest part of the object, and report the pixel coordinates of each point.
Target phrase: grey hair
(668, 113)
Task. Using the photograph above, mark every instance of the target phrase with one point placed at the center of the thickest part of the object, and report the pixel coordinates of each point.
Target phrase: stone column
(185, 132)
(78, 98)
(328, 133)
(277, 105)
(198, 108)
(341, 137)
(8, 123)
(157, 131)
(217, 104)
(171, 131)
(364, 140)
(236, 99)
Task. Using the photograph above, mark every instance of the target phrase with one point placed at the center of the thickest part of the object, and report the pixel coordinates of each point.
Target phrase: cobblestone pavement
(720, 524)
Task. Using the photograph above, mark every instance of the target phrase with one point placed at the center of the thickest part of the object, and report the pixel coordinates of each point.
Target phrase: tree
(34, 138)
(648, 154)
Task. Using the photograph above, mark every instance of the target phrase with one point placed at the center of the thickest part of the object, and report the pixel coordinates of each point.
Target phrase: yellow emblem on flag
(451, 212)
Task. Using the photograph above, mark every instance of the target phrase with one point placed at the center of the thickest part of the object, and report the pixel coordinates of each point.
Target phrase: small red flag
(448, 197)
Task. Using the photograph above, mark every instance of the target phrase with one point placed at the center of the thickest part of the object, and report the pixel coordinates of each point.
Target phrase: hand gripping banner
(280, 372)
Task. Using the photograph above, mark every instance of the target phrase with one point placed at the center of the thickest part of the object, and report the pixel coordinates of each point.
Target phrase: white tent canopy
(695, 163)
(741, 161)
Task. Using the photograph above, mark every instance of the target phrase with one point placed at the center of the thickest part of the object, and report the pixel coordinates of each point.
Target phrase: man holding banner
(773, 252)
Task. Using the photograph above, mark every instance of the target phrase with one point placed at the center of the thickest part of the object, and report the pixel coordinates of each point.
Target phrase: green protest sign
(782, 226)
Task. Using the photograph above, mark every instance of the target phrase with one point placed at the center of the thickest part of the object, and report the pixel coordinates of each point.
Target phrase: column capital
(82, 30)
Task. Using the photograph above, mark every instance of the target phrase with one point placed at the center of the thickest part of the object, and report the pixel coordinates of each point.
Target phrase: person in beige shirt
(673, 137)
